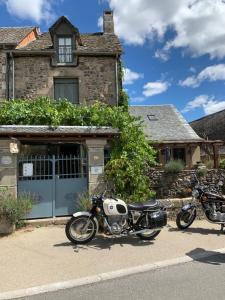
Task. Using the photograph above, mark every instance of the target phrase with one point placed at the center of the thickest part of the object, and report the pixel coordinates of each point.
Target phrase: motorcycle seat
(153, 203)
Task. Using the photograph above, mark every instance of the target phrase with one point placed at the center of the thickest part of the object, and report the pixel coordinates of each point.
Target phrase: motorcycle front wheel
(150, 234)
(185, 218)
(81, 230)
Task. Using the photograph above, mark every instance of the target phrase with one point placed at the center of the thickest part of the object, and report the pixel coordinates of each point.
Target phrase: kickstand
(222, 227)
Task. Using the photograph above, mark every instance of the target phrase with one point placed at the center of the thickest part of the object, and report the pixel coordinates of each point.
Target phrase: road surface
(202, 279)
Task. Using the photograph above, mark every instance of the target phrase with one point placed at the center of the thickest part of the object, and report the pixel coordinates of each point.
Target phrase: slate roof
(166, 124)
(13, 35)
(56, 131)
(93, 42)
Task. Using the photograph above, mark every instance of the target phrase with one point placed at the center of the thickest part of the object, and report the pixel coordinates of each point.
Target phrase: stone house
(57, 165)
(169, 133)
(211, 127)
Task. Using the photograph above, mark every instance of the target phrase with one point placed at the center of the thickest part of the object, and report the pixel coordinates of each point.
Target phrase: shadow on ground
(207, 256)
(193, 230)
(104, 242)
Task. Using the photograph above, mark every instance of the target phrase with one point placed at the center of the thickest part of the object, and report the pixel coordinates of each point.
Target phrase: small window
(65, 54)
(66, 88)
(152, 117)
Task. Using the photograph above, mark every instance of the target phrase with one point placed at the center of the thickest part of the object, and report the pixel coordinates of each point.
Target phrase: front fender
(86, 214)
(188, 206)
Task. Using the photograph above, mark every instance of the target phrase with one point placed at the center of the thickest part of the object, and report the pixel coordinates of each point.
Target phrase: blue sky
(174, 51)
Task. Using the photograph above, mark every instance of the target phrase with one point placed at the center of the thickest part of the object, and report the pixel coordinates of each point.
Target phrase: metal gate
(54, 183)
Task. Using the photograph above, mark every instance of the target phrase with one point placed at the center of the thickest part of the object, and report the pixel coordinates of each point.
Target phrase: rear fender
(86, 214)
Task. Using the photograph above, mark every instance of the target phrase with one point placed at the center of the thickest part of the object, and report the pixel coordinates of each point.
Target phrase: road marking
(53, 287)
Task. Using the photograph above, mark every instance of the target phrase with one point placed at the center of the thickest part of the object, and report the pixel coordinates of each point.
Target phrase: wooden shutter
(65, 88)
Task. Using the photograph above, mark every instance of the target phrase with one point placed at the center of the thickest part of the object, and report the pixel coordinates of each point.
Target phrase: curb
(53, 287)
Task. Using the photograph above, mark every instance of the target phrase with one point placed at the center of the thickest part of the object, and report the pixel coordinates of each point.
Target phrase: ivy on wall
(131, 153)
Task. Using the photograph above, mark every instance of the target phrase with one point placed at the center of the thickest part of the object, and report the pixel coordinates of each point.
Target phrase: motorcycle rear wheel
(185, 219)
(148, 236)
(74, 229)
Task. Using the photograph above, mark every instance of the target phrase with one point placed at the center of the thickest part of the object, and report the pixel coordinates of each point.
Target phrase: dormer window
(65, 48)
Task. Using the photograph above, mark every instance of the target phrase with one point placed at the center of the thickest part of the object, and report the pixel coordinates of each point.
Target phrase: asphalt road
(202, 279)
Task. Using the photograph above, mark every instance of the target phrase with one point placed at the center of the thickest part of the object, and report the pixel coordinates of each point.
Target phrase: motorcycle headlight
(195, 193)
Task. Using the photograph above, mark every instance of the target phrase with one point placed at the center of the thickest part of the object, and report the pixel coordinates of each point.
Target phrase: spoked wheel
(81, 230)
(185, 218)
(148, 235)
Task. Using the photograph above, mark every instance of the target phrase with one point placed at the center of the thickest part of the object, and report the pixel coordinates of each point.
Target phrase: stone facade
(8, 167)
(34, 77)
(2, 75)
(179, 185)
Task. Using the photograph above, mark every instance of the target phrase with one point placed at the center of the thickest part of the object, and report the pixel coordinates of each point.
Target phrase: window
(152, 118)
(66, 88)
(65, 54)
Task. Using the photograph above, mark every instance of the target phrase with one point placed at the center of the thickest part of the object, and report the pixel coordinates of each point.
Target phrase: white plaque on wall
(28, 169)
(14, 148)
(6, 160)
(96, 170)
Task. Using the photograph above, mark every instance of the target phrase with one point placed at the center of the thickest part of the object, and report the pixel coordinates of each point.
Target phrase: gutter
(117, 88)
(51, 52)
(13, 76)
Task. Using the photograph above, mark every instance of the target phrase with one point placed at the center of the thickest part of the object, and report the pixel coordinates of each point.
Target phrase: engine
(117, 223)
(215, 211)
(117, 214)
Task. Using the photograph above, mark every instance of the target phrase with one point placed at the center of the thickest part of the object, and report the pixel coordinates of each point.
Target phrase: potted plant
(12, 210)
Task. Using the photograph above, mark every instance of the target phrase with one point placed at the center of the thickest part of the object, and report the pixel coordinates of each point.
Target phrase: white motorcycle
(144, 220)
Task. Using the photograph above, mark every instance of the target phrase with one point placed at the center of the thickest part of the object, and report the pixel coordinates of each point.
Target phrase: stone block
(8, 177)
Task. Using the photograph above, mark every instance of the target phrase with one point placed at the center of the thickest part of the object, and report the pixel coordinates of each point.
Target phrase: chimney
(108, 23)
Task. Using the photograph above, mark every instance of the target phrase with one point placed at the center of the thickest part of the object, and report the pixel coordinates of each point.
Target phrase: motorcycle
(144, 220)
(212, 204)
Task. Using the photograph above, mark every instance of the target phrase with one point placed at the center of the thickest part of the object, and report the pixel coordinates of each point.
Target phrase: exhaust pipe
(144, 230)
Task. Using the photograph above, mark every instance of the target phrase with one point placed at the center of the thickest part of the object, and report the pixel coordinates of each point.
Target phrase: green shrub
(210, 164)
(131, 153)
(201, 172)
(222, 164)
(174, 166)
(14, 210)
(84, 201)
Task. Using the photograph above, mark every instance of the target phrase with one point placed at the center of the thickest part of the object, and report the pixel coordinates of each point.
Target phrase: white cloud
(198, 25)
(137, 99)
(164, 56)
(155, 88)
(211, 73)
(35, 10)
(197, 102)
(130, 76)
(209, 104)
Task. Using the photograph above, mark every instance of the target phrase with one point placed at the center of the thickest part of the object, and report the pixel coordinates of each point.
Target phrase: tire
(79, 221)
(144, 236)
(183, 216)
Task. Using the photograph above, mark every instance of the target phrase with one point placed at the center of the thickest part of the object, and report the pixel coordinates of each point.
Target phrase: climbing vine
(131, 153)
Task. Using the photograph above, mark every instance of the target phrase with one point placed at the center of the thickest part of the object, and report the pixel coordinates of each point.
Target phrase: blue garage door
(54, 182)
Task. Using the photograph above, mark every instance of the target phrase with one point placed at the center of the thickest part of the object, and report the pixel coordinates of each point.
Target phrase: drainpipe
(13, 76)
(117, 88)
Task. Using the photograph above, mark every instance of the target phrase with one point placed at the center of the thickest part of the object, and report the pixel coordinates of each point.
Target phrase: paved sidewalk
(41, 256)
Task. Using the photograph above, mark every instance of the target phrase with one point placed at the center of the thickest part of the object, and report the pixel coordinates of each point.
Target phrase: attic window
(65, 50)
(152, 118)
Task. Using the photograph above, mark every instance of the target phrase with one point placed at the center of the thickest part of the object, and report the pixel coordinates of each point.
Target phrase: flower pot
(6, 227)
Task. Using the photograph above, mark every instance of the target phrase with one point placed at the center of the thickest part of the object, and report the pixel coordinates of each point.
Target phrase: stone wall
(8, 167)
(34, 76)
(179, 186)
(2, 75)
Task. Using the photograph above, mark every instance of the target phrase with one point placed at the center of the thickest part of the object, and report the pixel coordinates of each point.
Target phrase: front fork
(188, 207)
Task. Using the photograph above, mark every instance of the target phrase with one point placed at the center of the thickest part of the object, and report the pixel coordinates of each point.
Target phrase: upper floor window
(65, 48)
